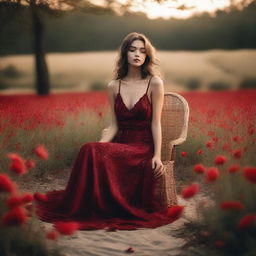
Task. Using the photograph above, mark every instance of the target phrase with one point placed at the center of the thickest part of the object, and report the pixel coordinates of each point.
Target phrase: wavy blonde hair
(148, 67)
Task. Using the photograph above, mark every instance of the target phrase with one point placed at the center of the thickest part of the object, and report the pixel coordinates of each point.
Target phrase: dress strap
(149, 83)
(119, 85)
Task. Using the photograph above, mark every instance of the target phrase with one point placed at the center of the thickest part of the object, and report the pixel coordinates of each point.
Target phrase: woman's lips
(136, 60)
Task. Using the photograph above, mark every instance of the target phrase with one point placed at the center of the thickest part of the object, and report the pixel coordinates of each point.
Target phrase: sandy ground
(158, 241)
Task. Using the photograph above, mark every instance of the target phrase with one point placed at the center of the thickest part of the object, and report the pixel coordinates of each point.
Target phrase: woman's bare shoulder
(113, 84)
(157, 83)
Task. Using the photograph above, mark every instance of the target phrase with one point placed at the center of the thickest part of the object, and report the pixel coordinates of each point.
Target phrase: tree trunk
(42, 75)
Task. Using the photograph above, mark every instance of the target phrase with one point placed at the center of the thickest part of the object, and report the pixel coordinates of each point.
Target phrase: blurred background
(54, 46)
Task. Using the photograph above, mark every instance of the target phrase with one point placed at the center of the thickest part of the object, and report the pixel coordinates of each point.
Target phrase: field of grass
(221, 137)
(182, 70)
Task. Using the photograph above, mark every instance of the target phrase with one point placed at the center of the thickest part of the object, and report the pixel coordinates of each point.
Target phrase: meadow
(86, 71)
(44, 134)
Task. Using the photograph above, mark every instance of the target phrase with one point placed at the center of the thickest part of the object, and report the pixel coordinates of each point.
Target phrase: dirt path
(158, 241)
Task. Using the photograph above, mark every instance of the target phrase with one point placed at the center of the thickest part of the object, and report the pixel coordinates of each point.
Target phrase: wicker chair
(174, 121)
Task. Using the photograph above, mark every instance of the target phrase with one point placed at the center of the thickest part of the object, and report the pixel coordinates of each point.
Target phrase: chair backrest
(174, 122)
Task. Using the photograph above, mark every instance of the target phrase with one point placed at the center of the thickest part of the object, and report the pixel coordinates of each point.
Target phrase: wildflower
(209, 144)
(212, 174)
(17, 163)
(40, 197)
(15, 216)
(233, 168)
(66, 228)
(30, 163)
(175, 211)
(199, 151)
(237, 139)
(247, 221)
(250, 174)
(219, 243)
(190, 190)
(215, 139)
(6, 184)
(53, 235)
(231, 205)
(130, 250)
(41, 152)
(199, 168)
(237, 153)
(220, 159)
(184, 153)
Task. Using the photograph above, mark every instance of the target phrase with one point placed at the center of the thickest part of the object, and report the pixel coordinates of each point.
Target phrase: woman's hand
(157, 166)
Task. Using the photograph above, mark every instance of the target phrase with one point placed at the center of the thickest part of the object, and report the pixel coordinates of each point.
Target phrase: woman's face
(136, 54)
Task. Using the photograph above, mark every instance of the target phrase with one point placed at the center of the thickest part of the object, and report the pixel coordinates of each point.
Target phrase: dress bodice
(136, 118)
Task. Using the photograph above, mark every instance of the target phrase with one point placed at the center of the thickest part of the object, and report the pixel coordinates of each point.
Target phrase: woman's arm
(157, 103)
(109, 132)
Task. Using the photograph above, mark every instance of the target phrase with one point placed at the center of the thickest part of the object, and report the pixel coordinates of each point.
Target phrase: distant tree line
(77, 31)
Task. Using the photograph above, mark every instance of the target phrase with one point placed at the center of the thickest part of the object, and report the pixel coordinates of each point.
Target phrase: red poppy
(220, 159)
(233, 168)
(184, 153)
(17, 163)
(6, 184)
(209, 144)
(53, 234)
(199, 168)
(215, 139)
(250, 174)
(211, 174)
(237, 139)
(231, 205)
(18, 145)
(211, 133)
(199, 151)
(13, 201)
(190, 191)
(40, 197)
(248, 220)
(30, 163)
(175, 211)
(66, 228)
(219, 243)
(15, 216)
(41, 152)
(27, 197)
(237, 153)
(130, 250)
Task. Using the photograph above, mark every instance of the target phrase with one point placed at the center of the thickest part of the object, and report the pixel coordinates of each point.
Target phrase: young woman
(112, 181)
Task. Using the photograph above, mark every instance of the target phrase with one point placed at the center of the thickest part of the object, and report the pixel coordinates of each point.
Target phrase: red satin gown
(111, 183)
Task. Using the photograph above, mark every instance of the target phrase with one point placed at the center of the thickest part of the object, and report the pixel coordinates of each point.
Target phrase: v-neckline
(129, 110)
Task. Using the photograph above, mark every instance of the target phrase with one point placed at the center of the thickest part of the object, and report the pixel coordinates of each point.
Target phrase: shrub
(193, 84)
(219, 85)
(248, 82)
(97, 86)
(11, 72)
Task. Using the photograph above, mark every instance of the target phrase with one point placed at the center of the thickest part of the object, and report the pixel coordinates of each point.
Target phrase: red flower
(199, 168)
(250, 174)
(30, 163)
(237, 153)
(215, 139)
(13, 201)
(212, 174)
(233, 168)
(130, 250)
(41, 152)
(184, 153)
(27, 198)
(211, 133)
(15, 216)
(237, 139)
(6, 184)
(66, 228)
(219, 243)
(53, 235)
(18, 146)
(247, 221)
(17, 163)
(190, 190)
(209, 144)
(220, 159)
(199, 151)
(40, 197)
(175, 211)
(231, 205)
(226, 147)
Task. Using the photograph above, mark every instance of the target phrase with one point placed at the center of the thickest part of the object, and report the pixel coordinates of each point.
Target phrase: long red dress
(111, 183)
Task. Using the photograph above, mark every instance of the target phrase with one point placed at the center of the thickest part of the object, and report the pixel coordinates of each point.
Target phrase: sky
(167, 9)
